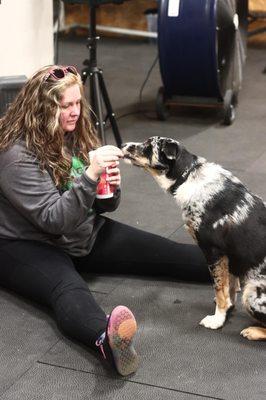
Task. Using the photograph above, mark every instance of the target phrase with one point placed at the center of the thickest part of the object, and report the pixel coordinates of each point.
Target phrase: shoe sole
(121, 329)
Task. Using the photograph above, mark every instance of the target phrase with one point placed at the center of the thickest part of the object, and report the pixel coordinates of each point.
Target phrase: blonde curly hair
(34, 116)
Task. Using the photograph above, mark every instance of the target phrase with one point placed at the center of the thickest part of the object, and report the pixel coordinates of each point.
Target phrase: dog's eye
(147, 150)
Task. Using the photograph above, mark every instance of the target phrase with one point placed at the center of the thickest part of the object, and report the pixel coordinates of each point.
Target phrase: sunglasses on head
(60, 72)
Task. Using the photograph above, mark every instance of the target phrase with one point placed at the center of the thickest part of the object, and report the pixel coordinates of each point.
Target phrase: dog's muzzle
(129, 150)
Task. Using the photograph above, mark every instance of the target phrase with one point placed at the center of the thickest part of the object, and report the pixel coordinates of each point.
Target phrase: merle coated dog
(225, 218)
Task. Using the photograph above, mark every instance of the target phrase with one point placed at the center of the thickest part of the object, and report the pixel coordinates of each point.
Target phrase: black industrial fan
(202, 51)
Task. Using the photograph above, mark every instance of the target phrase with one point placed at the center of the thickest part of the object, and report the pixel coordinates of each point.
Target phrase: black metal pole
(98, 90)
(98, 107)
(93, 37)
(110, 112)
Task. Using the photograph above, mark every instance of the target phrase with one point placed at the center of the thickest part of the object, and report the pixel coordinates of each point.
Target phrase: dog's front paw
(213, 321)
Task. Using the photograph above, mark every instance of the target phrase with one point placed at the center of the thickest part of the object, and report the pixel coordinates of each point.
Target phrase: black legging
(49, 276)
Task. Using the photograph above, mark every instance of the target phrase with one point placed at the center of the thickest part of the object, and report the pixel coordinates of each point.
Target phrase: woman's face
(70, 108)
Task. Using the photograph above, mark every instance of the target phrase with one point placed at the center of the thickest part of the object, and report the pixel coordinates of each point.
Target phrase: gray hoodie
(32, 207)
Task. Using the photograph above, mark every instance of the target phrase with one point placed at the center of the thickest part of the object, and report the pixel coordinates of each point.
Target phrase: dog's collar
(179, 181)
(195, 165)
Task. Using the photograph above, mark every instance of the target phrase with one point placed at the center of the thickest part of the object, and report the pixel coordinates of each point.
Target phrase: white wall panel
(26, 36)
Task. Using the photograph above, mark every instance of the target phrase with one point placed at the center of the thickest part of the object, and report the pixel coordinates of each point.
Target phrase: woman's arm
(34, 194)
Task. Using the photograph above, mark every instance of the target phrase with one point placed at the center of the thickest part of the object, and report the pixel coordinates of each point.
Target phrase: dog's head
(165, 158)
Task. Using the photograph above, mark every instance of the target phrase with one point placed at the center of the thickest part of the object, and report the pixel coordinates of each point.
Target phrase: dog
(223, 216)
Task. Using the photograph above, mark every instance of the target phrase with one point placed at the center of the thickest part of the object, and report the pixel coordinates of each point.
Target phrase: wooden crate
(257, 8)
(128, 15)
(257, 5)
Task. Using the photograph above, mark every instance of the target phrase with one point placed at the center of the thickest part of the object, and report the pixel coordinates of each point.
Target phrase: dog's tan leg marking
(191, 231)
(220, 273)
(254, 333)
(234, 287)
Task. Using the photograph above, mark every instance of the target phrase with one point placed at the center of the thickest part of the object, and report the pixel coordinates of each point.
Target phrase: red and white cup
(104, 189)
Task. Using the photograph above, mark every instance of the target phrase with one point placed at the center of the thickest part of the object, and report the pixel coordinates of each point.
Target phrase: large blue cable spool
(202, 47)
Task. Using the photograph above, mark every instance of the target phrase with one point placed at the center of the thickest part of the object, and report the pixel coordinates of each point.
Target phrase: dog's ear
(170, 149)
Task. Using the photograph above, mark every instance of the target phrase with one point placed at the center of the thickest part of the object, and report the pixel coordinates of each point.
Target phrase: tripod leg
(85, 73)
(110, 112)
(97, 106)
(92, 92)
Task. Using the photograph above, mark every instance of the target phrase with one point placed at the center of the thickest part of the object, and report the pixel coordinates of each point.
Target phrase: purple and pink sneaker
(121, 328)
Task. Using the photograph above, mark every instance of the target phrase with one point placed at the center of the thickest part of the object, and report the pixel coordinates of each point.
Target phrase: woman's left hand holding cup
(105, 159)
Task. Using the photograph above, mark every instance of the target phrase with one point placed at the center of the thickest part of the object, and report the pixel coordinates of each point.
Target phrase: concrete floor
(179, 359)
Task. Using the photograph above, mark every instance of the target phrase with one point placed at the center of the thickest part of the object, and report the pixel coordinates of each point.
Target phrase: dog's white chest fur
(194, 194)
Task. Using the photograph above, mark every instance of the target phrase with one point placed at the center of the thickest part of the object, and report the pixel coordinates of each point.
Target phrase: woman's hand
(114, 177)
(102, 158)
